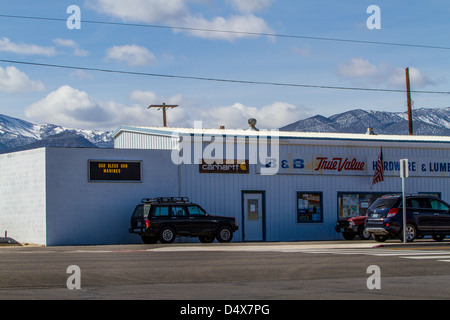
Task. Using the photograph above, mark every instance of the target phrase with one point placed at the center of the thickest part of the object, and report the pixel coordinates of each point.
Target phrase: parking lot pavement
(266, 246)
(274, 270)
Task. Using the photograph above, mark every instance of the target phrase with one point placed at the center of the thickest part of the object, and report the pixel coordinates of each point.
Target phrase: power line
(215, 79)
(234, 32)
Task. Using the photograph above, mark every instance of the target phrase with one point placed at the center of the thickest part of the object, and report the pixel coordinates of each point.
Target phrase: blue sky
(98, 100)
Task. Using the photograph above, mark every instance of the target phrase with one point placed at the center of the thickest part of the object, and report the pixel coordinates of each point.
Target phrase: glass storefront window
(354, 204)
(309, 207)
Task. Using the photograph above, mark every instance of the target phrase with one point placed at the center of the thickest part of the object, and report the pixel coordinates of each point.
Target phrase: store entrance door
(253, 215)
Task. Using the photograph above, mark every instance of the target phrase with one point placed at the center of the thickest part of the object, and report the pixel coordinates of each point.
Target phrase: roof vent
(252, 124)
(370, 131)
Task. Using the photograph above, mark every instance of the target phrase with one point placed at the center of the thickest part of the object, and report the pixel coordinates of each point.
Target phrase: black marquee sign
(115, 171)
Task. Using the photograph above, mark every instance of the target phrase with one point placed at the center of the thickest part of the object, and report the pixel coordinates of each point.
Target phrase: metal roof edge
(163, 131)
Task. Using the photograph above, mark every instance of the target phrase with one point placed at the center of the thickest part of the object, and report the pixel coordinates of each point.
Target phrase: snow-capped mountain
(17, 134)
(434, 122)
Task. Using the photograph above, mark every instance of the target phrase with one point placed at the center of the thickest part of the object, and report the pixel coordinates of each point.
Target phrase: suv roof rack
(166, 199)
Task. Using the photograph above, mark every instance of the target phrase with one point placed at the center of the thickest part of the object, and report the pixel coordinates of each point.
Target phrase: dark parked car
(352, 227)
(164, 219)
(426, 215)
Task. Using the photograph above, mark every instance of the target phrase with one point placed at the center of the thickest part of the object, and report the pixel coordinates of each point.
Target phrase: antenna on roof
(163, 107)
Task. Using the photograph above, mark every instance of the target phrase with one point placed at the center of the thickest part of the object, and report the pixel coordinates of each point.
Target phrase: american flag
(379, 171)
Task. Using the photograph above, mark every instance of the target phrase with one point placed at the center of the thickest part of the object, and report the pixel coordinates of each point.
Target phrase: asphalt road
(236, 271)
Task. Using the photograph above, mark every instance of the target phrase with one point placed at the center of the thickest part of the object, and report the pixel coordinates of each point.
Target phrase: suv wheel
(411, 233)
(167, 235)
(224, 234)
(438, 237)
(363, 234)
(379, 238)
(149, 240)
(349, 235)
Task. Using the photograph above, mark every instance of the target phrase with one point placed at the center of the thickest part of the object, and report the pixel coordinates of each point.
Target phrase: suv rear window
(141, 212)
(383, 203)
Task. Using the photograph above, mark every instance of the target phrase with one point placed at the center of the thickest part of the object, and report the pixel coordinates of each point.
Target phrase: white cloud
(7, 45)
(14, 80)
(239, 25)
(417, 78)
(358, 68)
(132, 55)
(142, 10)
(69, 43)
(303, 51)
(236, 116)
(74, 108)
(177, 13)
(363, 72)
(80, 74)
(247, 6)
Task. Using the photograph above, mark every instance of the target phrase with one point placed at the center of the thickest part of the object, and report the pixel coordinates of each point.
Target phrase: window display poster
(309, 207)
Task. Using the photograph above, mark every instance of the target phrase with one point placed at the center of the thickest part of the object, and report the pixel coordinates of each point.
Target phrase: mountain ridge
(17, 135)
(426, 121)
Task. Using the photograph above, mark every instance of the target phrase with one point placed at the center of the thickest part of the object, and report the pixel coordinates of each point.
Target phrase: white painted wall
(81, 212)
(22, 196)
(46, 198)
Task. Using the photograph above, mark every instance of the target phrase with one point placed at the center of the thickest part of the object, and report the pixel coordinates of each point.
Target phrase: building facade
(280, 186)
(79, 196)
(311, 179)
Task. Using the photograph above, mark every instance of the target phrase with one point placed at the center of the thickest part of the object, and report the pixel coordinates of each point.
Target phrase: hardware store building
(280, 186)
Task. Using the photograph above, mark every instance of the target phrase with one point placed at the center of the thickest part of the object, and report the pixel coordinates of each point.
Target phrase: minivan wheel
(167, 235)
(224, 234)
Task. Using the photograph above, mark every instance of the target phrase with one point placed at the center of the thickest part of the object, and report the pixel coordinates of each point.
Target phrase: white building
(294, 190)
(320, 176)
(52, 196)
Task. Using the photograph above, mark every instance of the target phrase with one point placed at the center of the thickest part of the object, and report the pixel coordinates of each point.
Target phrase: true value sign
(319, 164)
(290, 163)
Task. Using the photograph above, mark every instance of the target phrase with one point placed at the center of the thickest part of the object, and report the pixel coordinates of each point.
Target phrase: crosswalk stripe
(426, 257)
(442, 255)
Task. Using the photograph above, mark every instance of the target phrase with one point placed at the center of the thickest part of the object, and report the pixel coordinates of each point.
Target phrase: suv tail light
(147, 223)
(392, 212)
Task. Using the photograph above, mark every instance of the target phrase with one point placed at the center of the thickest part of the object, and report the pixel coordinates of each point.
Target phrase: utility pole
(163, 107)
(408, 94)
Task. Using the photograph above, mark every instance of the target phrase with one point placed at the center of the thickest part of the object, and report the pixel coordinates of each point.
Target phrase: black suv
(165, 218)
(425, 215)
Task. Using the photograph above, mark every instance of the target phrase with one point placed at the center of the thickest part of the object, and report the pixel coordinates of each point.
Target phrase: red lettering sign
(339, 164)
